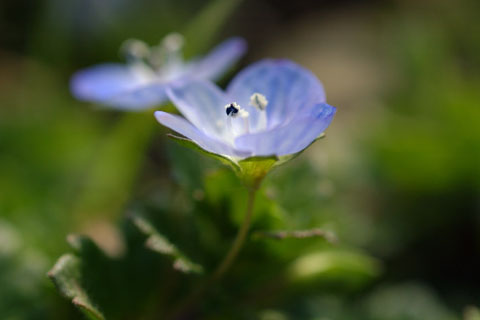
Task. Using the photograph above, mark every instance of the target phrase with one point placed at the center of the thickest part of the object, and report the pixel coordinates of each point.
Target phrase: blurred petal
(288, 87)
(219, 60)
(102, 82)
(119, 86)
(141, 98)
(186, 129)
(290, 138)
(202, 103)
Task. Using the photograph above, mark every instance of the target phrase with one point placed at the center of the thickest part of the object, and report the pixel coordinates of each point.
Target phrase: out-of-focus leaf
(471, 313)
(297, 234)
(70, 279)
(66, 275)
(411, 301)
(159, 243)
(339, 267)
(115, 288)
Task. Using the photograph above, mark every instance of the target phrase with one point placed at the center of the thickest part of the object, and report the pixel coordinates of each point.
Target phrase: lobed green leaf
(67, 276)
(159, 243)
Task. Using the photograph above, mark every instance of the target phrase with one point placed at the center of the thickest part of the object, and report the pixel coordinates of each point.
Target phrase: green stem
(239, 239)
(186, 305)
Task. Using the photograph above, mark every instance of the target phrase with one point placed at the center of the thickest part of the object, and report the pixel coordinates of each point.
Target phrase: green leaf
(335, 267)
(329, 236)
(471, 313)
(67, 277)
(159, 243)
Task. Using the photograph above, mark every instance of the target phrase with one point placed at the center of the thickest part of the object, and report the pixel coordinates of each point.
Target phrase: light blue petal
(202, 103)
(219, 60)
(289, 88)
(117, 86)
(290, 138)
(186, 129)
(141, 98)
(102, 82)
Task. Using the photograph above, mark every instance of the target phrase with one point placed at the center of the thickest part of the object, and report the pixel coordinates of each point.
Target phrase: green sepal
(66, 274)
(254, 169)
(160, 244)
(250, 170)
(192, 145)
(288, 157)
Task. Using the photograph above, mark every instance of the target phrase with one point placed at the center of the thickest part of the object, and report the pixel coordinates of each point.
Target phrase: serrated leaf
(66, 275)
(159, 243)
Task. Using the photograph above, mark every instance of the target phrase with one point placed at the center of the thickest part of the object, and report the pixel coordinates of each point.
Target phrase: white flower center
(239, 121)
(233, 111)
(165, 61)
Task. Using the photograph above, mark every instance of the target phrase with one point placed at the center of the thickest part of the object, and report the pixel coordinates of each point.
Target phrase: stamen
(232, 110)
(243, 113)
(135, 50)
(173, 42)
(166, 57)
(258, 101)
(246, 123)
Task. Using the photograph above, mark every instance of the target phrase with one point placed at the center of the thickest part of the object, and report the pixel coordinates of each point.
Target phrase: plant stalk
(189, 303)
(239, 239)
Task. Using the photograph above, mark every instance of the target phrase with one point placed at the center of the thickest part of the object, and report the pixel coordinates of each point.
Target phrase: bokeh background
(397, 178)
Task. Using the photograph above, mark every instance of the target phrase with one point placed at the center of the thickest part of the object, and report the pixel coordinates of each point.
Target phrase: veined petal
(290, 138)
(217, 61)
(103, 82)
(288, 87)
(202, 103)
(186, 129)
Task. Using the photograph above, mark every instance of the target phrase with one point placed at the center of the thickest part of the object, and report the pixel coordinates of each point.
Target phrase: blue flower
(141, 83)
(271, 108)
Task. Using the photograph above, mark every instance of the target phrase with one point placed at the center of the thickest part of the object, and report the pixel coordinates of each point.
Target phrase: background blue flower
(294, 116)
(141, 83)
